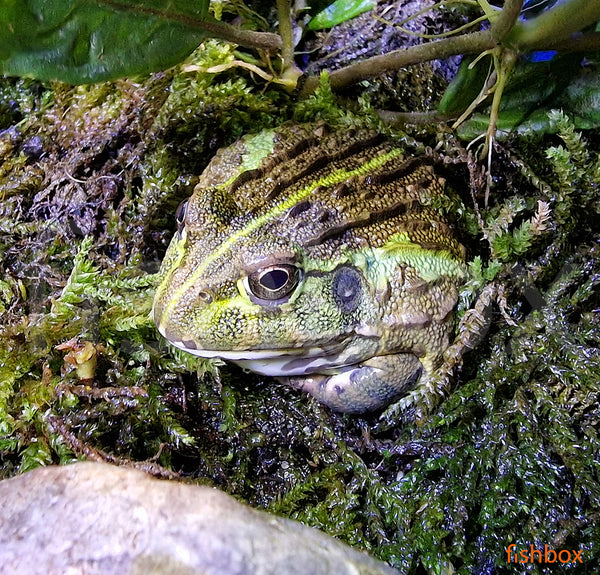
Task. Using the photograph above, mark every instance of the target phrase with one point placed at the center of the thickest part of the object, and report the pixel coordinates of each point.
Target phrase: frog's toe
(367, 386)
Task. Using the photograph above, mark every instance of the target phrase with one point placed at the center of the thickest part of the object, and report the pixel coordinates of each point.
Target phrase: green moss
(205, 107)
(510, 456)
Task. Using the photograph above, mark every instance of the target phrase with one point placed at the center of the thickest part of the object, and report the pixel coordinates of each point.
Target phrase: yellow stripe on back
(278, 209)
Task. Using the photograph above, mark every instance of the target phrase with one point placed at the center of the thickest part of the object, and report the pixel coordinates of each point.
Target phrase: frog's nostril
(205, 297)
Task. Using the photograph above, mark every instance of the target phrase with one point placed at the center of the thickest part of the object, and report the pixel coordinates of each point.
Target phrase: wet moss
(510, 456)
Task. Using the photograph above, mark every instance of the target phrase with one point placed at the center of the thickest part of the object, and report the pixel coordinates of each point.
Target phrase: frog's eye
(274, 284)
(180, 216)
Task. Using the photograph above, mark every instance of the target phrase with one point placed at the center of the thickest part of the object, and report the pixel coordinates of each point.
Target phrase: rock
(92, 518)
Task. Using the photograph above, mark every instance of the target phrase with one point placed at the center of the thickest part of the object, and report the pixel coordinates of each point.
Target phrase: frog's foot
(367, 386)
(436, 381)
(473, 327)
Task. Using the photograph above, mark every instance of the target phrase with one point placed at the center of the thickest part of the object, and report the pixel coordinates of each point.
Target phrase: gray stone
(92, 518)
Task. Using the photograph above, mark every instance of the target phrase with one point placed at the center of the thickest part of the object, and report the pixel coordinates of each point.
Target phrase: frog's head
(246, 287)
(304, 252)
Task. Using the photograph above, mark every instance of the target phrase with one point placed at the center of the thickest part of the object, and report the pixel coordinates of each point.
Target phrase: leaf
(534, 89)
(340, 11)
(465, 86)
(81, 41)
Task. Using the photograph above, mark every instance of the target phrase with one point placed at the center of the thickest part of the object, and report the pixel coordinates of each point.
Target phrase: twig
(259, 40)
(552, 29)
(555, 25)
(57, 425)
(467, 44)
(412, 118)
(505, 22)
(285, 30)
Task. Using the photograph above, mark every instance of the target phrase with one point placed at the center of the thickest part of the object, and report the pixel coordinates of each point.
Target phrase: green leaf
(465, 86)
(81, 41)
(533, 91)
(340, 11)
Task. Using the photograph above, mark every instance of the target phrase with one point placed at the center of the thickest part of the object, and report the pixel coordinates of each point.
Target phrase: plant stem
(506, 18)
(467, 44)
(585, 43)
(248, 38)
(552, 29)
(555, 25)
(285, 31)
(473, 43)
(506, 62)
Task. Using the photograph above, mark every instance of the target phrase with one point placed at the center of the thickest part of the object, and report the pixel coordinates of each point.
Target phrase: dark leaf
(533, 90)
(80, 41)
(465, 86)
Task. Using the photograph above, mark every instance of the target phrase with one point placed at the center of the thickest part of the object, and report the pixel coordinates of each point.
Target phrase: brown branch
(504, 23)
(57, 426)
(556, 25)
(467, 44)
(589, 42)
(248, 38)
(412, 118)
(285, 30)
(505, 29)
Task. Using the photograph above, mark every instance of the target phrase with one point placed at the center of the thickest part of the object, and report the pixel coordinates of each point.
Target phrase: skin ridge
(286, 167)
(294, 152)
(269, 214)
(361, 145)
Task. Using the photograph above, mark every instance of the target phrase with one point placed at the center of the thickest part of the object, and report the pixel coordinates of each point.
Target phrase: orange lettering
(577, 555)
(568, 559)
(525, 556)
(509, 550)
(547, 555)
(533, 551)
(531, 555)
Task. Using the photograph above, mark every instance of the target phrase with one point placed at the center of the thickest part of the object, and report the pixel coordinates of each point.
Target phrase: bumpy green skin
(378, 269)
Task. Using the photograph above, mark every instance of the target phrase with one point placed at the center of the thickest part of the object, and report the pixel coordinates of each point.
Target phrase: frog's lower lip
(278, 362)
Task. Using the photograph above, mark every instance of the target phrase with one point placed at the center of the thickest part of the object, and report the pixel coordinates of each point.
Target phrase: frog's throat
(281, 362)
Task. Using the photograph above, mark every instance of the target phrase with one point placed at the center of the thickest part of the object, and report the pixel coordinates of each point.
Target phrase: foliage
(338, 12)
(239, 107)
(91, 41)
(532, 92)
(33, 397)
(81, 42)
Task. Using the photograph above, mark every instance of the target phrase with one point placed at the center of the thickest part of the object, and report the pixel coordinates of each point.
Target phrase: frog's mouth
(284, 362)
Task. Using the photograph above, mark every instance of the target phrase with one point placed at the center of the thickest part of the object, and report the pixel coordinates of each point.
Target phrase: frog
(320, 257)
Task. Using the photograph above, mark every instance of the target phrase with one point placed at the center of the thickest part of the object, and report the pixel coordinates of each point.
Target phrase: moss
(205, 110)
(509, 457)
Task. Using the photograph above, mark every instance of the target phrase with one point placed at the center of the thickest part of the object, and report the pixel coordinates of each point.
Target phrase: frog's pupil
(274, 279)
(274, 284)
